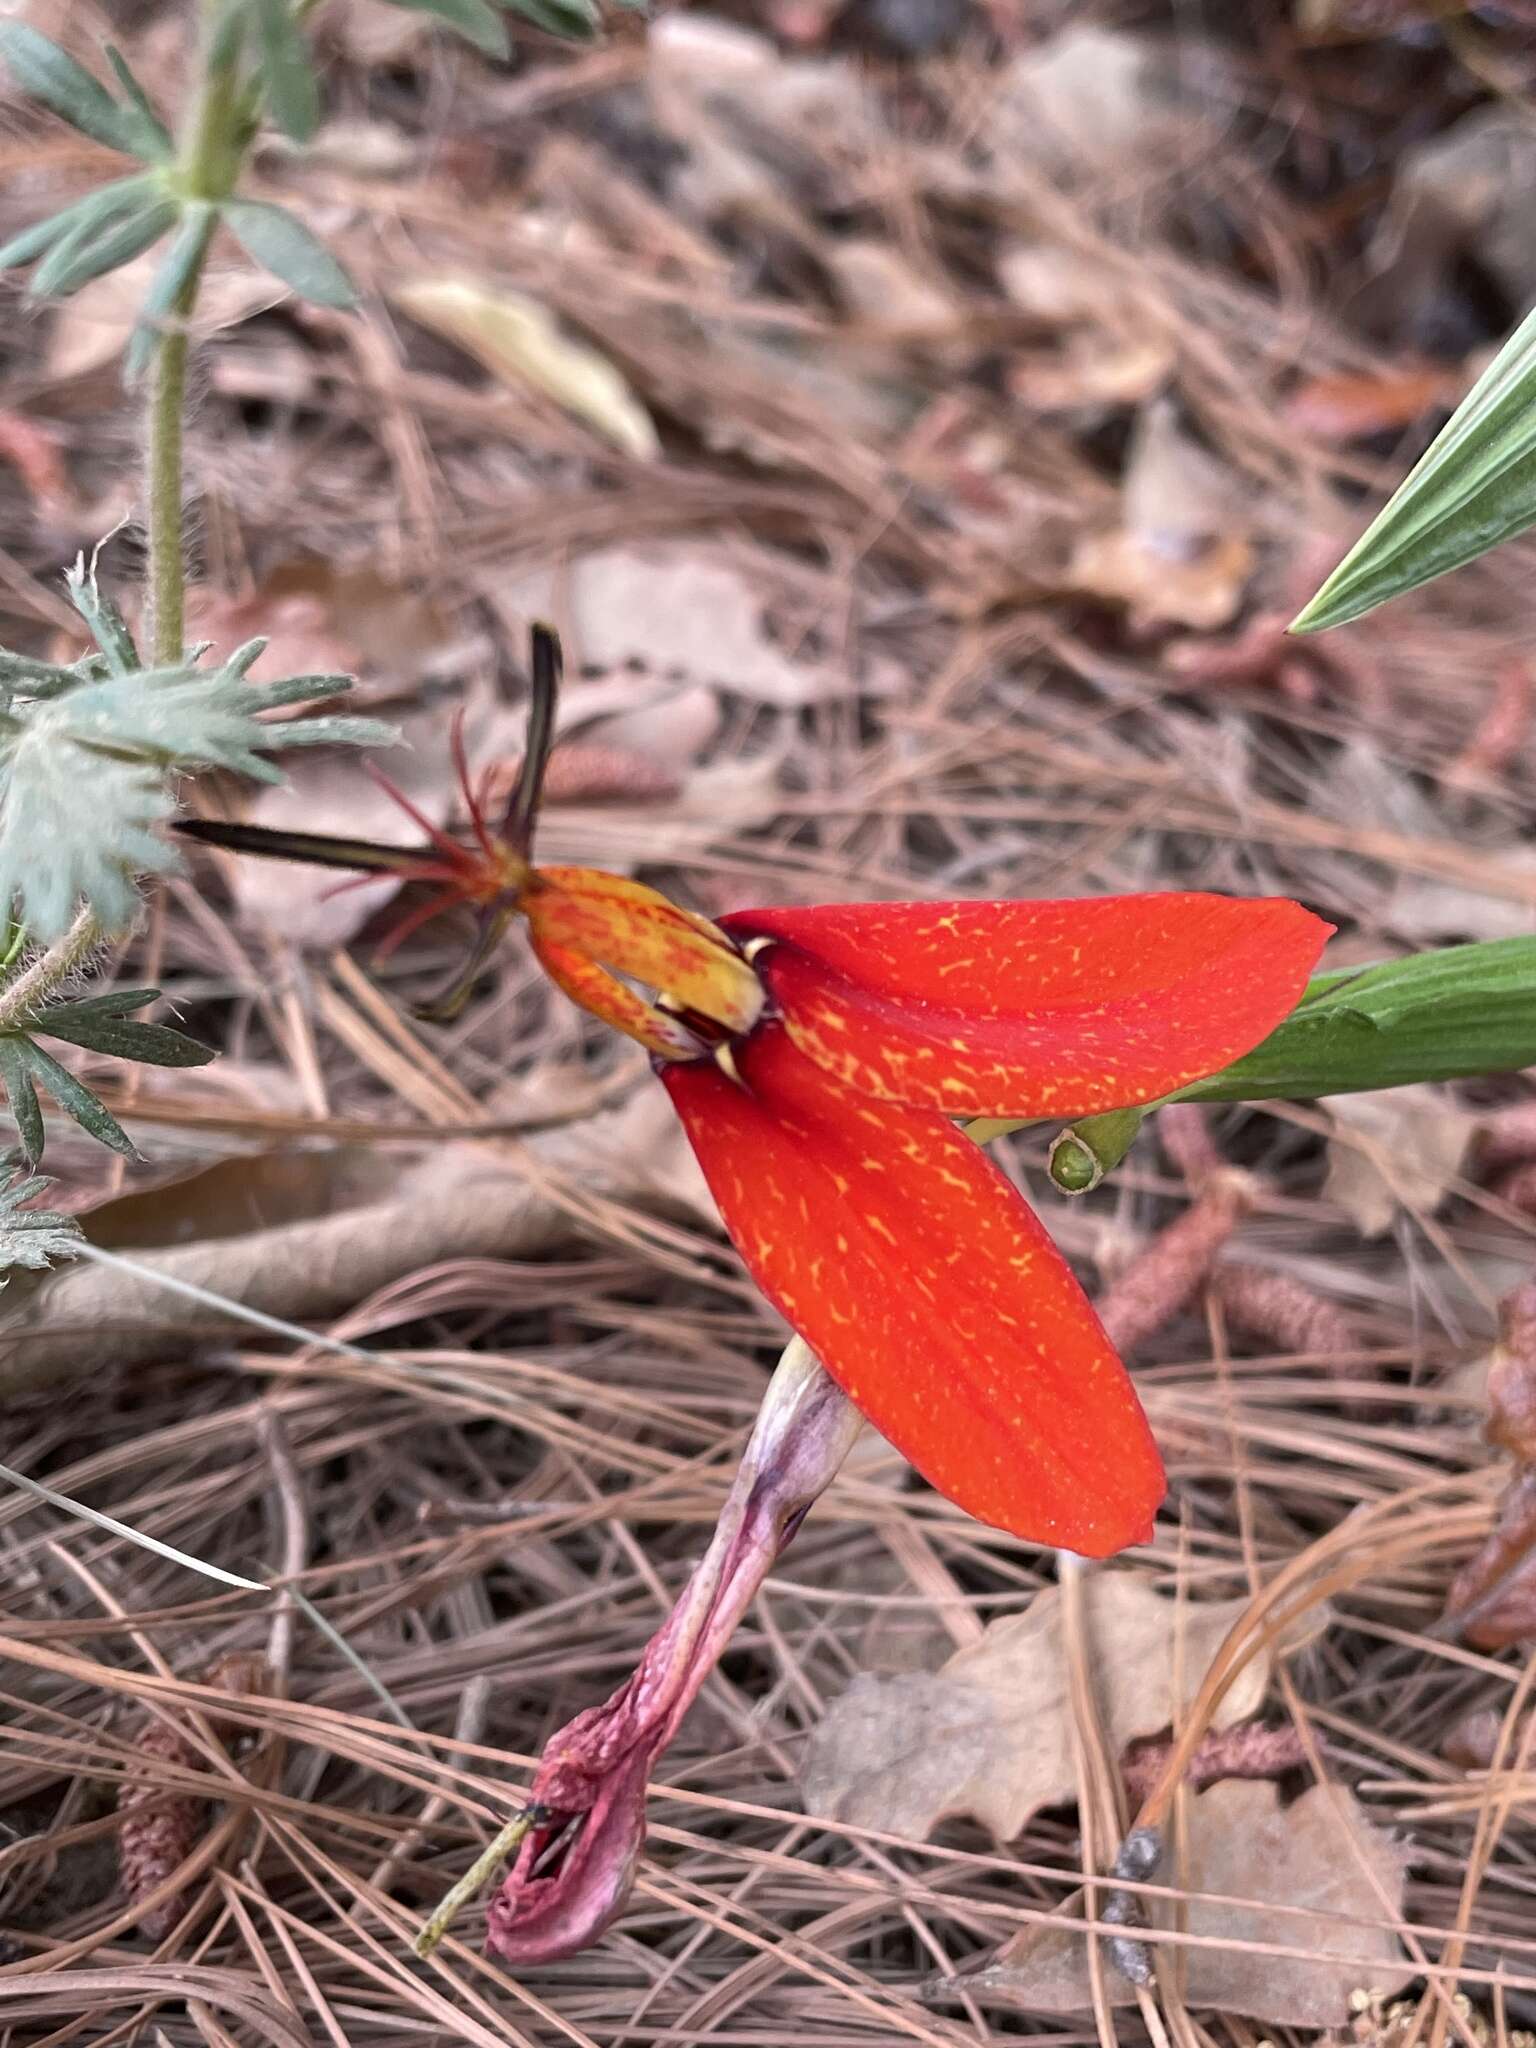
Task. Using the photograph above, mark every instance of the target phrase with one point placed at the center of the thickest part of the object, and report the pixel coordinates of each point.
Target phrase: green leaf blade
(99, 1025)
(575, 20)
(158, 146)
(107, 203)
(477, 22)
(293, 91)
(90, 253)
(280, 242)
(1441, 1016)
(175, 277)
(76, 1100)
(1474, 487)
(51, 76)
(21, 1096)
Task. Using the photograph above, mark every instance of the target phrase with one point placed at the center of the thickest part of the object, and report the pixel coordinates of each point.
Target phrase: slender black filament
(544, 694)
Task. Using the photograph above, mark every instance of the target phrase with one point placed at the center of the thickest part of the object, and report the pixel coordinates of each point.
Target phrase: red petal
(1034, 1009)
(930, 1292)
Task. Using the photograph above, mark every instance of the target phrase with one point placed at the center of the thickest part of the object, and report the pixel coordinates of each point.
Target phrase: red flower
(817, 1058)
(913, 1269)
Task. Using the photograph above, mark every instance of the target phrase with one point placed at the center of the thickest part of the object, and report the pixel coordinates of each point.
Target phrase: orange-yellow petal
(1059, 1009)
(602, 995)
(637, 932)
(931, 1293)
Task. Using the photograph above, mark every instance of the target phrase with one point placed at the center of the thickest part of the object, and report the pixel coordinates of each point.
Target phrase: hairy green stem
(212, 151)
(166, 593)
(29, 990)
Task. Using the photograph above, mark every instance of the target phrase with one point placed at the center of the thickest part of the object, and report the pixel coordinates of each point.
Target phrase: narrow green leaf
(104, 204)
(22, 1097)
(157, 145)
(303, 689)
(293, 91)
(579, 20)
(29, 677)
(99, 1025)
(1438, 1016)
(474, 20)
(174, 276)
(109, 629)
(76, 1100)
(281, 243)
(50, 76)
(329, 732)
(1472, 488)
(91, 253)
(226, 33)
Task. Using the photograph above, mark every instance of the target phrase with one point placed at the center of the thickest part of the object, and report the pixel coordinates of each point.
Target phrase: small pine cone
(1162, 1278)
(1501, 732)
(1508, 1137)
(590, 772)
(160, 1829)
(1247, 1751)
(1186, 1138)
(1277, 1308)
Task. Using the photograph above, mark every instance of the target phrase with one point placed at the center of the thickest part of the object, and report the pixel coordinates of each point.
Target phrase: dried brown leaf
(1395, 1148)
(522, 342)
(1180, 555)
(1093, 369)
(321, 618)
(1320, 1853)
(990, 1736)
(458, 1200)
(676, 609)
(1353, 406)
(91, 328)
(36, 453)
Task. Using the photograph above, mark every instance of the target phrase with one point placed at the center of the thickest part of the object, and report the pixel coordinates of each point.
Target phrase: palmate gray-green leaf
(1441, 1016)
(57, 850)
(123, 737)
(32, 1237)
(51, 76)
(1473, 487)
(280, 242)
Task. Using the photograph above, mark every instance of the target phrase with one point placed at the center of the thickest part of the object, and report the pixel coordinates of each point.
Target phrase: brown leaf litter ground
(920, 420)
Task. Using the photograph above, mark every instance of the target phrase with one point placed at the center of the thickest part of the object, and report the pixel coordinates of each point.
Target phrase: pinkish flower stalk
(574, 1869)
